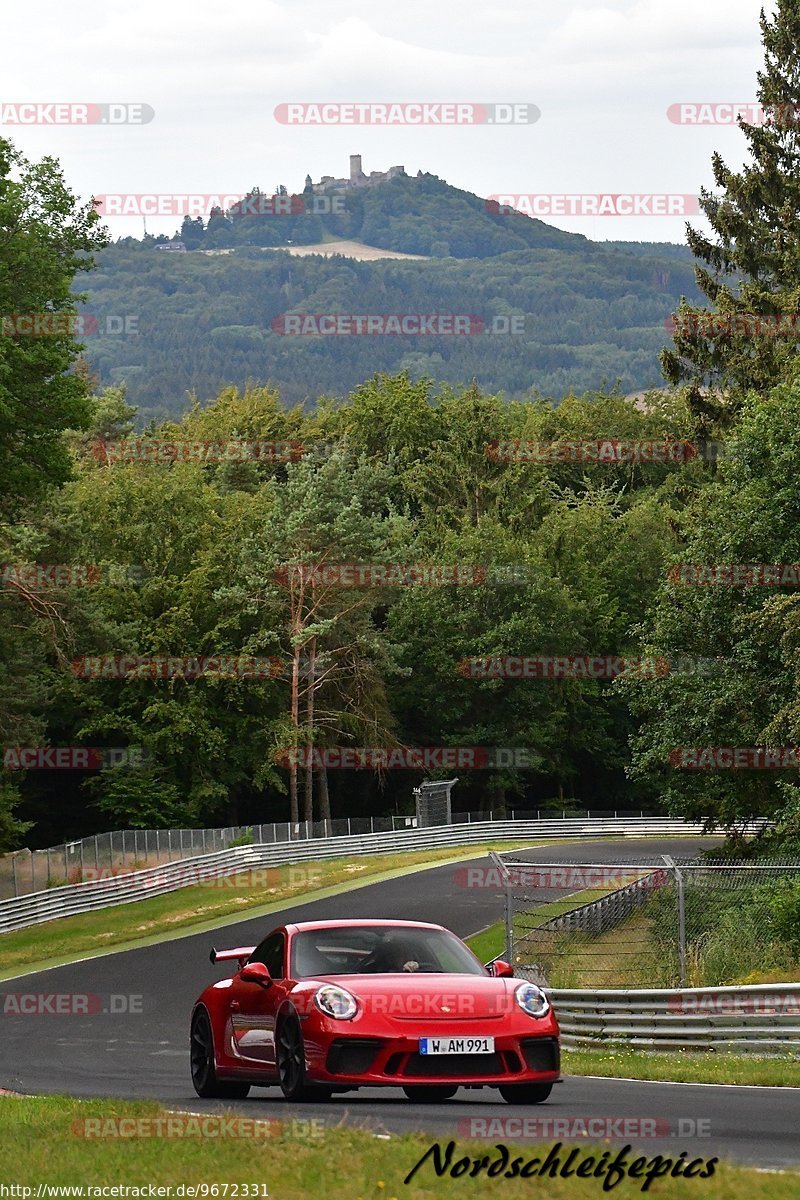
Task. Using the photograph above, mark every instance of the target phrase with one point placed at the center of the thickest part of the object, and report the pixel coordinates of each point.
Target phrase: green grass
(202, 907)
(684, 1066)
(624, 956)
(43, 1144)
(490, 942)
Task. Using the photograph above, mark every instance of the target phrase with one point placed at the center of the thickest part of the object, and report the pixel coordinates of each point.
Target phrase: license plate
(456, 1045)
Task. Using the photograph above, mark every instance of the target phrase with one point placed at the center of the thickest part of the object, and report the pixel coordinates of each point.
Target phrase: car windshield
(363, 950)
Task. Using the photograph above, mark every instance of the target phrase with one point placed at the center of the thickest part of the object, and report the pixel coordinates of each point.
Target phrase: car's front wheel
(526, 1093)
(204, 1072)
(421, 1094)
(291, 1061)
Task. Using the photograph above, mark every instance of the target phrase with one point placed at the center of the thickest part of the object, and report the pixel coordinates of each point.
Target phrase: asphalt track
(144, 1053)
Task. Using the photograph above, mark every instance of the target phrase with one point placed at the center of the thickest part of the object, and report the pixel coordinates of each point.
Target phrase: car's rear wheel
(432, 1094)
(526, 1093)
(204, 1071)
(291, 1061)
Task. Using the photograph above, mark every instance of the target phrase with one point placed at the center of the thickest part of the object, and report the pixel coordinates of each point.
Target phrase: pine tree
(750, 267)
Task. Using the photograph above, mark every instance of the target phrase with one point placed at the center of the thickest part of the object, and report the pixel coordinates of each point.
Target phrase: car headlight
(336, 1002)
(532, 1000)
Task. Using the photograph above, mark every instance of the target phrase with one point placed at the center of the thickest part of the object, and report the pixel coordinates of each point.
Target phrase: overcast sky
(603, 76)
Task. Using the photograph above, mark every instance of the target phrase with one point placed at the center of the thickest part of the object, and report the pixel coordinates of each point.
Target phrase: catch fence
(27, 871)
(650, 922)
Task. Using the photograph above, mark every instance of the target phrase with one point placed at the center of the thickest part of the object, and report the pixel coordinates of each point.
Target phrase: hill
(416, 215)
(548, 312)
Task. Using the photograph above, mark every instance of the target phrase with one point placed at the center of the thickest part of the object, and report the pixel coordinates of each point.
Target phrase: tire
(526, 1093)
(203, 1066)
(291, 1062)
(433, 1094)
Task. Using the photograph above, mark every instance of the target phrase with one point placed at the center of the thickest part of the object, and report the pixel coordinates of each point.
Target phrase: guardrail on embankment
(24, 871)
(762, 1018)
(598, 916)
(37, 907)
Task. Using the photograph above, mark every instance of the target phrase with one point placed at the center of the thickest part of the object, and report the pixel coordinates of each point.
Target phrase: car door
(253, 1008)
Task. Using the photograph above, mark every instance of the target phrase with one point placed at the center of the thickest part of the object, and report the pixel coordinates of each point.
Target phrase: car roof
(303, 926)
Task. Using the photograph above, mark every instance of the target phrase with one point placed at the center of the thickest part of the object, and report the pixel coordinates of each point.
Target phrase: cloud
(603, 76)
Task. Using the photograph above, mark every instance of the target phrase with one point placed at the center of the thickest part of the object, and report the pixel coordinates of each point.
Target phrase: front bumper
(392, 1061)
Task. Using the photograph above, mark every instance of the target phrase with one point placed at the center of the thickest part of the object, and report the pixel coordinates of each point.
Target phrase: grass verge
(684, 1066)
(206, 906)
(490, 942)
(44, 1145)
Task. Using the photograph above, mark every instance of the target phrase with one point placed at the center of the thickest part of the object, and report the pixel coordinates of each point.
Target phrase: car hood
(409, 996)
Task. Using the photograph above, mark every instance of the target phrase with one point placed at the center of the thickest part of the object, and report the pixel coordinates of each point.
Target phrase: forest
(547, 321)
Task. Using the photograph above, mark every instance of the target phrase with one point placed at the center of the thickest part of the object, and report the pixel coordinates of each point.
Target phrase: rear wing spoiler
(242, 953)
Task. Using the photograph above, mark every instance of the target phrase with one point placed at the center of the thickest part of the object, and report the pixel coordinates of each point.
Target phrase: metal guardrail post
(672, 865)
(509, 903)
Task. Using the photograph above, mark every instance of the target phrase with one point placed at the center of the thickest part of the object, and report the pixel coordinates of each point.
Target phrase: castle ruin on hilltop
(358, 178)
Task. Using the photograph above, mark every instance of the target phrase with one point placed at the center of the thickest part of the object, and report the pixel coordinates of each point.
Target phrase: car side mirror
(500, 969)
(256, 972)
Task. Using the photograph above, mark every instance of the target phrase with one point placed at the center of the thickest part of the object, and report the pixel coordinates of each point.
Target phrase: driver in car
(387, 957)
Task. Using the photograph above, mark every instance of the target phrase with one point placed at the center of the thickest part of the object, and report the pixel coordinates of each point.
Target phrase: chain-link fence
(96, 857)
(657, 922)
(27, 871)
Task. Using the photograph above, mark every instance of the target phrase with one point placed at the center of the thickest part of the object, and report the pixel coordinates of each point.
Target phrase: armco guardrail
(24, 871)
(49, 905)
(601, 915)
(763, 1018)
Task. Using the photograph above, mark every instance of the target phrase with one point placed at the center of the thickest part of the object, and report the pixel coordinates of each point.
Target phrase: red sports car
(329, 1006)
